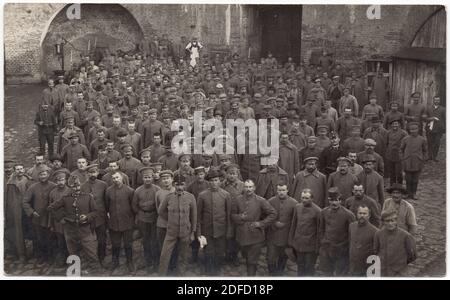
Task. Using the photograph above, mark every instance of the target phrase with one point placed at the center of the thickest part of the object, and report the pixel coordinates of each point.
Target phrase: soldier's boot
(195, 245)
(281, 266)
(209, 268)
(129, 255)
(272, 268)
(115, 258)
(251, 270)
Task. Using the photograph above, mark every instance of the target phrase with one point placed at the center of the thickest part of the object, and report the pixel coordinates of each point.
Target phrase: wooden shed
(422, 67)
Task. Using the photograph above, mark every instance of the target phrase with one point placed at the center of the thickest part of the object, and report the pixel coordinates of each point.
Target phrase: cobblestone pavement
(21, 144)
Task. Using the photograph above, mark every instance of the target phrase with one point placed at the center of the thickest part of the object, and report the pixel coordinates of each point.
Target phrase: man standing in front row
(248, 214)
(179, 210)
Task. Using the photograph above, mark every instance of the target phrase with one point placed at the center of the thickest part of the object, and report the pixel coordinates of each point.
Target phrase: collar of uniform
(315, 173)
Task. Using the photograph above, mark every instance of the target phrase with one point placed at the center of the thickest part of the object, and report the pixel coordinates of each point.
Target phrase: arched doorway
(102, 28)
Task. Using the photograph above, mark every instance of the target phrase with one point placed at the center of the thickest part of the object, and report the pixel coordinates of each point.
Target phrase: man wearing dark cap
(97, 188)
(369, 146)
(61, 189)
(377, 133)
(406, 215)
(179, 210)
(213, 222)
(130, 165)
(372, 181)
(251, 214)
(278, 233)
(394, 138)
(358, 199)
(342, 178)
(361, 236)
(395, 247)
(150, 127)
(304, 233)
(77, 212)
(47, 124)
(328, 159)
(73, 151)
(35, 203)
(413, 153)
(120, 214)
(345, 124)
(16, 187)
(312, 179)
(268, 178)
(334, 236)
(144, 206)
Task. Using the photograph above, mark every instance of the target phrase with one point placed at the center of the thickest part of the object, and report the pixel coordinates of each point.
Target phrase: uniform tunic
(406, 215)
(361, 246)
(304, 231)
(285, 209)
(56, 195)
(213, 213)
(180, 213)
(119, 206)
(144, 203)
(413, 152)
(334, 225)
(71, 153)
(98, 189)
(36, 199)
(373, 185)
(315, 181)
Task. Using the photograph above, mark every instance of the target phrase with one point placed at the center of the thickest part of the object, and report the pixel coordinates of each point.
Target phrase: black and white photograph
(230, 140)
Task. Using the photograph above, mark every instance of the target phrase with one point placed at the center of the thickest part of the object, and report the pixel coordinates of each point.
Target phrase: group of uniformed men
(322, 203)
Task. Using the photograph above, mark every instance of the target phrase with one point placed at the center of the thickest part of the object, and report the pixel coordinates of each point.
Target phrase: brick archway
(113, 27)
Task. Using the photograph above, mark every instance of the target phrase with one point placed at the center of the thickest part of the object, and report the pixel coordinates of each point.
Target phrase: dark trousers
(306, 262)
(169, 245)
(232, 250)
(214, 254)
(59, 247)
(149, 242)
(81, 237)
(434, 143)
(251, 254)
(276, 259)
(412, 181)
(46, 136)
(395, 171)
(41, 242)
(100, 231)
(334, 261)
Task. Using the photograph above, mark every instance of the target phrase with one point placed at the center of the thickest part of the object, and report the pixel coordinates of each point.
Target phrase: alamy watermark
(258, 137)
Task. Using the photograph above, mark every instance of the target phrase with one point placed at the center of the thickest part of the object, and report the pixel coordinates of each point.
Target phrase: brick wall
(342, 29)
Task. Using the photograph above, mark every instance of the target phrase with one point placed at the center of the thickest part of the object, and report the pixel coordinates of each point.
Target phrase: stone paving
(21, 144)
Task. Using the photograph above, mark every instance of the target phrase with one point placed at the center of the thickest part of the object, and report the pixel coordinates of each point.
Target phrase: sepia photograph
(224, 140)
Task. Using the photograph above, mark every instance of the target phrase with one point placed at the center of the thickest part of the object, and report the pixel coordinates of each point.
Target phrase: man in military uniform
(179, 210)
(97, 188)
(144, 206)
(47, 125)
(77, 211)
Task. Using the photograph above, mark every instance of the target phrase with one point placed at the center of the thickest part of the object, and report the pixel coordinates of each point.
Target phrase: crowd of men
(321, 204)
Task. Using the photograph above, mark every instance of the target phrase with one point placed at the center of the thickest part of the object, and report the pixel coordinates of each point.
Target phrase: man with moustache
(119, 199)
(213, 222)
(80, 172)
(342, 178)
(97, 188)
(395, 247)
(35, 203)
(144, 206)
(372, 182)
(251, 214)
(47, 124)
(369, 146)
(304, 233)
(334, 233)
(360, 199)
(310, 178)
(179, 211)
(16, 187)
(405, 211)
(361, 235)
(277, 233)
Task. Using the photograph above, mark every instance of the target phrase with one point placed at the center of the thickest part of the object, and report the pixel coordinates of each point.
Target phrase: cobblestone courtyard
(21, 144)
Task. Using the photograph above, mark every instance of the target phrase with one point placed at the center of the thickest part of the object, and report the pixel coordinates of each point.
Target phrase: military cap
(318, 79)
(368, 158)
(370, 142)
(67, 118)
(219, 86)
(356, 127)
(231, 167)
(9, 163)
(311, 138)
(199, 170)
(121, 132)
(396, 187)
(73, 134)
(59, 174)
(234, 104)
(166, 173)
(344, 159)
(388, 213)
(396, 119)
(373, 96)
(213, 173)
(146, 170)
(333, 193)
(152, 111)
(267, 106)
(209, 108)
(394, 102)
(92, 167)
(336, 77)
(155, 164)
(311, 158)
(183, 155)
(55, 157)
(179, 179)
(375, 119)
(349, 109)
(218, 112)
(101, 147)
(413, 124)
(319, 127)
